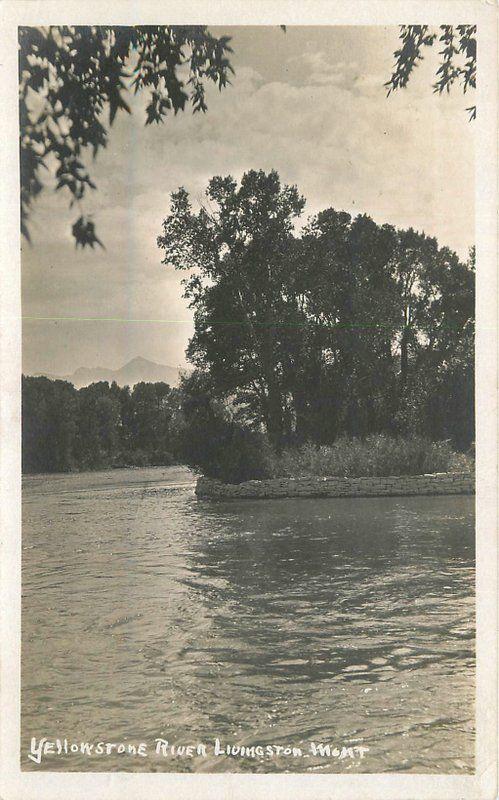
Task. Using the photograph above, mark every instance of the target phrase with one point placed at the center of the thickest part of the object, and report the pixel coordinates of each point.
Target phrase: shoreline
(438, 483)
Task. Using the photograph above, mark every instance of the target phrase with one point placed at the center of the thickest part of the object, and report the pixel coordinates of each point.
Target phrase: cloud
(404, 160)
(320, 68)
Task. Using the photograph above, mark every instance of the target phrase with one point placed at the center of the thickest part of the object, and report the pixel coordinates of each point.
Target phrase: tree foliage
(240, 251)
(98, 426)
(72, 77)
(212, 440)
(342, 327)
(457, 63)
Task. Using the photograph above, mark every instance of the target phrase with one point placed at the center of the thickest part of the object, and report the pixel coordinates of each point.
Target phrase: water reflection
(277, 621)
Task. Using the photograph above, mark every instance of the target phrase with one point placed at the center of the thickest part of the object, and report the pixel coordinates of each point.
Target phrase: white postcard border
(52, 786)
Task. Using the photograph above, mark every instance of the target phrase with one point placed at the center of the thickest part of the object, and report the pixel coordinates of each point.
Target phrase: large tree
(351, 304)
(435, 339)
(49, 430)
(238, 247)
(346, 326)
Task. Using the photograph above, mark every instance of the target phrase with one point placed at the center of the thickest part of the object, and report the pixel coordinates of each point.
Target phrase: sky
(309, 103)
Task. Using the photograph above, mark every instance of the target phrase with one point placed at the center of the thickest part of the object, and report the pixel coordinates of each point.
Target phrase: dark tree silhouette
(98, 426)
(457, 63)
(240, 248)
(346, 327)
(69, 76)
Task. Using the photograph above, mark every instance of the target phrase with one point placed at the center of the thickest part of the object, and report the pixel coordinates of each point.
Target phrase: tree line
(96, 427)
(343, 327)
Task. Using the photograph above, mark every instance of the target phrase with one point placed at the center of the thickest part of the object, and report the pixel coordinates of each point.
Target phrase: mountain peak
(139, 361)
(138, 370)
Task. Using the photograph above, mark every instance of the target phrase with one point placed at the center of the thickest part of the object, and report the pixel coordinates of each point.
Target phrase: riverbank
(391, 486)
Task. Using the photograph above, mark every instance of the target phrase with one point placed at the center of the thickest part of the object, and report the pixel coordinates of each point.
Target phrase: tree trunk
(274, 417)
(404, 357)
(301, 416)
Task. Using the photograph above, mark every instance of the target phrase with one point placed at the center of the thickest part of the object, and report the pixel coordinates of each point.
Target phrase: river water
(149, 614)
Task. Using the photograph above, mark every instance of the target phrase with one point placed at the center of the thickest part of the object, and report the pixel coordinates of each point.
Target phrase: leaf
(86, 67)
(84, 233)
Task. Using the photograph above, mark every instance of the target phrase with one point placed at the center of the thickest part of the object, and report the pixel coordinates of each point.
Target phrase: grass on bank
(377, 455)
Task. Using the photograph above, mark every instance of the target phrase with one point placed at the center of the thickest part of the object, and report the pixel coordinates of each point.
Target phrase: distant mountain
(137, 370)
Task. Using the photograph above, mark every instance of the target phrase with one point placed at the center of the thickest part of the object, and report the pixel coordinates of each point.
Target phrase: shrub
(162, 458)
(225, 450)
(212, 442)
(135, 458)
(376, 455)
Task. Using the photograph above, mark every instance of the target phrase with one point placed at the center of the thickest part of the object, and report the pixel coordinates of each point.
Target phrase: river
(149, 614)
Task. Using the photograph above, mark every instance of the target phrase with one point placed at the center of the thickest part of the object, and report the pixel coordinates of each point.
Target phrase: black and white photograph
(248, 402)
